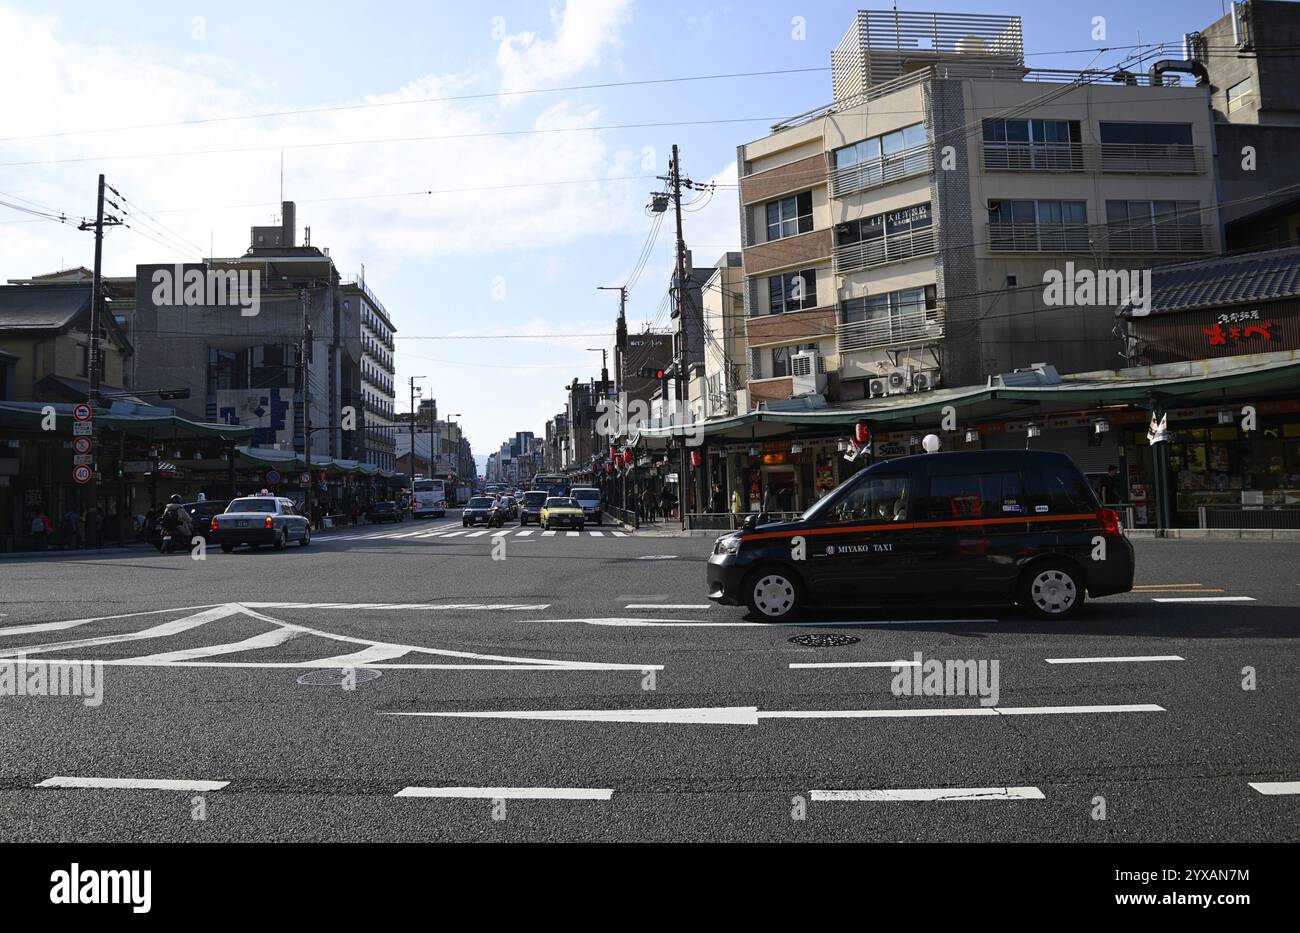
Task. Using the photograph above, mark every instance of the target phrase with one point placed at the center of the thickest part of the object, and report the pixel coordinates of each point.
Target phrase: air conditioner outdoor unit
(924, 380)
(878, 387)
(899, 380)
(808, 372)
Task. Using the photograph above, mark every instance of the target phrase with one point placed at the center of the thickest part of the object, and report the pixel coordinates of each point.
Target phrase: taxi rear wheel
(1052, 590)
(774, 594)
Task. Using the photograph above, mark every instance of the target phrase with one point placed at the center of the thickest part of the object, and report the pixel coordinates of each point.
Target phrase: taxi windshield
(878, 498)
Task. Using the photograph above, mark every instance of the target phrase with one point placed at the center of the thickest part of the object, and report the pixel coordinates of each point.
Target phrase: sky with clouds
(465, 154)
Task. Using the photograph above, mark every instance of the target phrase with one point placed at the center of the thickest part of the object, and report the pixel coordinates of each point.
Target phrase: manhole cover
(823, 640)
(338, 677)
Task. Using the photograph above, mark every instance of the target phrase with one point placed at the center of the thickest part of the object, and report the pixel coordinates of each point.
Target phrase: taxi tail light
(270, 522)
(1110, 523)
(213, 526)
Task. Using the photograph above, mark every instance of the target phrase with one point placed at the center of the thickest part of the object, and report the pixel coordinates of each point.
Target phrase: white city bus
(428, 497)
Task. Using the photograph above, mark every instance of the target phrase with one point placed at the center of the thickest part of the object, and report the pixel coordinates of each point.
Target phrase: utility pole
(96, 299)
(620, 334)
(304, 358)
(674, 193)
(413, 392)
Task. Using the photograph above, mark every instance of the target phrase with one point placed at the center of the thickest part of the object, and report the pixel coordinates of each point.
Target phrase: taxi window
(877, 499)
(1059, 491)
(974, 495)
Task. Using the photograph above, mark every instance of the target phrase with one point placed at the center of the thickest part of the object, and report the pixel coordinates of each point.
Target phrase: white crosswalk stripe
(432, 535)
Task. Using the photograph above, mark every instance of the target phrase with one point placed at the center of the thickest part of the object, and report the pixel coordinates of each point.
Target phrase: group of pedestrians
(75, 529)
(655, 507)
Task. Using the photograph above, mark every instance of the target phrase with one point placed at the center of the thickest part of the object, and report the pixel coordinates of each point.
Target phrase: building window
(793, 291)
(882, 158)
(1051, 145)
(1146, 134)
(1038, 225)
(1141, 225)
(888, 305)
(789, 216)
(1241, 94)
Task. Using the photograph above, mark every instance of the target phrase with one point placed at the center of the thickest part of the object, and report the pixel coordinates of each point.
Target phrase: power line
(395, 139)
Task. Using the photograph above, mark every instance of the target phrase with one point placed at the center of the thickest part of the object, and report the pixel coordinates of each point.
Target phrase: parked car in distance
(257, 520)
(530, 506)
(478, 511)
(562, 512)
(384, 511)
(589, 498)
(969, 527)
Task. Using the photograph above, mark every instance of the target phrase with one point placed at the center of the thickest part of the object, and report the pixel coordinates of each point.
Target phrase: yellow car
(559, 511)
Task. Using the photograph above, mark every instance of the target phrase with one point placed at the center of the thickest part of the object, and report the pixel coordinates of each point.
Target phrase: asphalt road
(698, 724)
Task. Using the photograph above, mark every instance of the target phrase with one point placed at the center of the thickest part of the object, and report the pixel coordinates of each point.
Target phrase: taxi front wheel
(1052, 590)
(773, 594)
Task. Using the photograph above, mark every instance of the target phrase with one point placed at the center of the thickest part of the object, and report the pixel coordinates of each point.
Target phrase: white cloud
(583, 31)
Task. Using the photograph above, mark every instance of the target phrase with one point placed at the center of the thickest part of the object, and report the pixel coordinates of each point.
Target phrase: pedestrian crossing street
(454, 530)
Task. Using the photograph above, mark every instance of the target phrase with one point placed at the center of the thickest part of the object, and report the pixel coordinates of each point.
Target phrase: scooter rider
(176, 521)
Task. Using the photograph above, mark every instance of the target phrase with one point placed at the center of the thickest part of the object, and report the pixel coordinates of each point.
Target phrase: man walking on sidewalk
(648, 504)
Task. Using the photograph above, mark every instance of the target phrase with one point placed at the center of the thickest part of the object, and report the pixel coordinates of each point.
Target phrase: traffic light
(649, 372)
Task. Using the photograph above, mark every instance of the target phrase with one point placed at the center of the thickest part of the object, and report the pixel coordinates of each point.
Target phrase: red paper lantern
(696, 459)
(609, 468)
(613, 453)
(862, 433)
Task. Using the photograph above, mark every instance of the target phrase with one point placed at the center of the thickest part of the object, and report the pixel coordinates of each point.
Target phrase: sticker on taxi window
(1011, 507)
(1041, 508)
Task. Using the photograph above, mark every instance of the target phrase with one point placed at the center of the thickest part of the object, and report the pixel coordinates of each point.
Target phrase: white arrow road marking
(667, 606)
(750, 715)
(657, 557)
(512, 793)
(73, 623)
(931, 793)
(265, 640)
(825, 664)
(1116, 660)
(1276, 787)
(132, 783)
(503, 607)
(372, 649)
(173, 627)
(731, 715)
(628, 622)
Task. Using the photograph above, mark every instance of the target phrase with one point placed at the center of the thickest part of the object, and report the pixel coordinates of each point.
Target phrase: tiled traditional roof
(1226, 280)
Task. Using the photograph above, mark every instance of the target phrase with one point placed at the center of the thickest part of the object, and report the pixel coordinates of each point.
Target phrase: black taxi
(982, 526)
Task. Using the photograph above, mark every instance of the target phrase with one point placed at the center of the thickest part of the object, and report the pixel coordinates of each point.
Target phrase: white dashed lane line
(1273, 788)
(1133, 659)
(509, 793)
(928, 794)
(107, 783)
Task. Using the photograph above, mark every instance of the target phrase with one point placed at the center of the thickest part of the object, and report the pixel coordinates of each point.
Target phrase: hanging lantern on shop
(796, 448)
(972, 436)
(862, 433)
(613, 453)
(696, 459)
(1033, 430)
(609, 468)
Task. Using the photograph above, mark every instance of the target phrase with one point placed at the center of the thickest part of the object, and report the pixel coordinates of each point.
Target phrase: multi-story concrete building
(725, 369)
(897, 239)
(241, 360)
(1254, 77)
(377, 380)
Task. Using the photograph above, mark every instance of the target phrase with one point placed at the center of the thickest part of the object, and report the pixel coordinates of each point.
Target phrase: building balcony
(907, 327)
(856, 178)
(1116, 158)
(854, 257)
(1102, 238)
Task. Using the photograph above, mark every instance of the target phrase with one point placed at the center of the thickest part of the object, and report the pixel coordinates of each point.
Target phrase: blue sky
(524, 260)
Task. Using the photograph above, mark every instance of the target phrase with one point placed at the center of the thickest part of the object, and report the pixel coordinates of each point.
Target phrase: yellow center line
(1162, 586)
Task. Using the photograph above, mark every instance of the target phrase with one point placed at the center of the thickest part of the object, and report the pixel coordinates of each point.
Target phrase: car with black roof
(966, 527)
